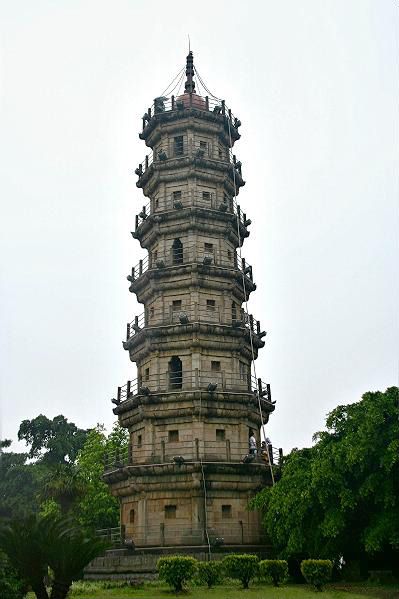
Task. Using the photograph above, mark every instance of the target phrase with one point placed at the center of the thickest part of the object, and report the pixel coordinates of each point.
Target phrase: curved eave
(170, 116)
(192, 212)
(187, 161)
(166, 273)
(194, 327)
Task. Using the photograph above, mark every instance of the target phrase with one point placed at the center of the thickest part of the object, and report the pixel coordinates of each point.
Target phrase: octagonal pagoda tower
(187, 477)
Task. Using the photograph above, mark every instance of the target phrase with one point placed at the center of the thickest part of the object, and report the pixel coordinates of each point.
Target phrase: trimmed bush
(210, 573)
(242, 566)
(275, 570)
(177, 570)
(316, 572)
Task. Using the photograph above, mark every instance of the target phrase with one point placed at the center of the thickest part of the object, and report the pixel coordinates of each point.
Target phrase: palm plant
(34, 544)
(70, 549)
(64, 486)
(24, 544)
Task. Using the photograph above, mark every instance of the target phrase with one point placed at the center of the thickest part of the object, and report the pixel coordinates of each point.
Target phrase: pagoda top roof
(175, 102)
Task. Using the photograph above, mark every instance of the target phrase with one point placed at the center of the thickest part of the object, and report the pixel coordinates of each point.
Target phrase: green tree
(98, 508)
(64, 486)
(19, 484)
(341, 497)
(53, 442)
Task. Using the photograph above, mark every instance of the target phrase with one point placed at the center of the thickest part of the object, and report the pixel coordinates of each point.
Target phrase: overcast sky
(315, 84)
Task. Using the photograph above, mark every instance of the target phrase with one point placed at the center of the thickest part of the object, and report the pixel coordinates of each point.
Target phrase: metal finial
(190, 83)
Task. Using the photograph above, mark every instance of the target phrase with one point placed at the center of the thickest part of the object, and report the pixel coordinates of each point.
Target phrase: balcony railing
(170, 534)
(193, 313)
(183, 380)
(190, 149)
(162, 451)
(206, 104)
(196, 199)
(192, 254)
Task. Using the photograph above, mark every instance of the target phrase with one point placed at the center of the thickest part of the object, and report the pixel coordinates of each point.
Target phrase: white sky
(315, 84)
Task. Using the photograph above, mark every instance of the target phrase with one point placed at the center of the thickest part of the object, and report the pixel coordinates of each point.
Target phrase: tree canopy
(55, 441)
(98, 508)
(340, 497)
(64, 475)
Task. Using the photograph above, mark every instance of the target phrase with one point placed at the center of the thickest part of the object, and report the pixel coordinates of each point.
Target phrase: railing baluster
(251, 322)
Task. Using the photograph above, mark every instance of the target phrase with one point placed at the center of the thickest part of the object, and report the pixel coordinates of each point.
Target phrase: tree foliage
(55, 441)
(19, 484)
(64, 487)
(98, 508)
(35, 544)
(66, 477)
(341, 497)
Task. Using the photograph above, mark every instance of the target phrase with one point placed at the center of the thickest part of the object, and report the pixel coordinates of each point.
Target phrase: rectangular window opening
(173, 436)
(170, 512)
(176, 196)
(210, 305)
(226, 512)
(139, 440)
(215, 366)
(178, 145)
(176, 305)
(220, 434)
(147, 374)
(208, 248)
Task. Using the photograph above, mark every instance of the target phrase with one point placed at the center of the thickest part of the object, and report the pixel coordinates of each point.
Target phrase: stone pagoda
(189, 474)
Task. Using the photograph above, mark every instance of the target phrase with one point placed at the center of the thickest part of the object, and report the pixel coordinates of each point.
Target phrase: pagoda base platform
(141, 563)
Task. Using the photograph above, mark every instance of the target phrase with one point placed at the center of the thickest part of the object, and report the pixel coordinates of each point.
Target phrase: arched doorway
(175, 373)
(177, 252)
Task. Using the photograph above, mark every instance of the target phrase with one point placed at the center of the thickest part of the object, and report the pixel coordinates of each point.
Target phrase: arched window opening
(177, 252)
(233, 311)
(175, 373)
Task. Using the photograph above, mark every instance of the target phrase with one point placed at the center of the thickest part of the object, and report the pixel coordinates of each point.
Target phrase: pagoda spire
(189, 86)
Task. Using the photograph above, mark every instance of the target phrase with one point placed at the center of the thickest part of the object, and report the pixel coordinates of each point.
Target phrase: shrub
(210, 573)
(11, 587)
(177, 570)
(275, 570)
(242, 566)
(316, 572)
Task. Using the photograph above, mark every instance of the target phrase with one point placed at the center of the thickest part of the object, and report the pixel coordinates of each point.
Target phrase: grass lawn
(157, 590)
